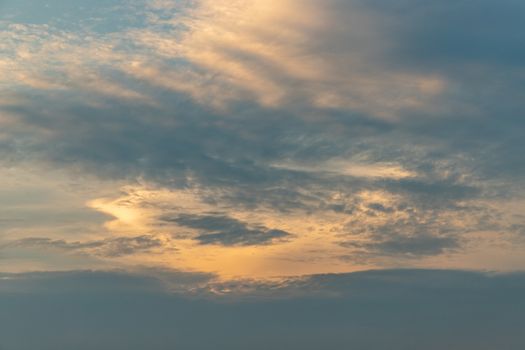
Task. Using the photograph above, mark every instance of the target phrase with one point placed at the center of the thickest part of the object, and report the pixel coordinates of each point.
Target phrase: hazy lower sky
(273, 174)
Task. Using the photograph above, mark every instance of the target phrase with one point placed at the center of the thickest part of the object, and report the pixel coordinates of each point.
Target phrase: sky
(232, 174)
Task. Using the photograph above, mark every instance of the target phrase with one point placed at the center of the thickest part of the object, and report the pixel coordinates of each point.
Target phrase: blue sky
(253, 144)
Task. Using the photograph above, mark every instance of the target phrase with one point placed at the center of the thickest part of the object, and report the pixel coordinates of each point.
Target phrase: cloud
(108, 248)
(393, 309)
(458, 38)
(285, 57)
(415, 246)
(338, 123)
(356, 169)
(224, 230)
(135, 280)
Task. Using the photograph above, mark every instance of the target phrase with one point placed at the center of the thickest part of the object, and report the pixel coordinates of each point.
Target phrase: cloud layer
(398, 309)
(311, 138)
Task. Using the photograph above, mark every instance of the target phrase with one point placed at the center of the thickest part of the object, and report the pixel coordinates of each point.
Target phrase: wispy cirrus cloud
(109, 248)
(288, 58)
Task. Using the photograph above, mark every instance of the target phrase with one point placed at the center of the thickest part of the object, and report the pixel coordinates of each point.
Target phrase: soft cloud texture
(113, 247)
(338, 137)
(226, 231)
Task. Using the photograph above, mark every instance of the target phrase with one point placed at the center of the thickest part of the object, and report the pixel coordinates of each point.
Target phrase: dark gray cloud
(413, 229)
(375, 310)
(110, 247)
(439, 191)
(227, 231)
(410, 246)
(449, 33)
(484, 66)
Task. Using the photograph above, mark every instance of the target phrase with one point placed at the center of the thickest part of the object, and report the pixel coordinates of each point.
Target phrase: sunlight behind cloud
(275, 57)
